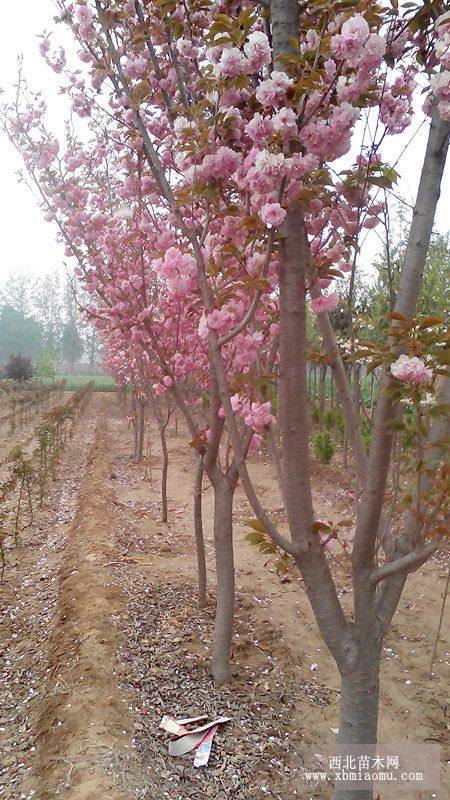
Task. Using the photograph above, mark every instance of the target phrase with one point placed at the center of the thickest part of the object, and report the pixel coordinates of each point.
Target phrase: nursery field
(101, 635)
(103, 383)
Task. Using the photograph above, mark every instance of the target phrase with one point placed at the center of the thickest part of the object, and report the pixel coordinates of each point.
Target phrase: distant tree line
(40, 318)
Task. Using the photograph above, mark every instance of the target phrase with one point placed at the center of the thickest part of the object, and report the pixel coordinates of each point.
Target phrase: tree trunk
(198, 528)
(134, 418)
(140, 430)
(323, 374)
(357, 389)
(277, 463)
(165, 470)
(223, 546)
(359, 712)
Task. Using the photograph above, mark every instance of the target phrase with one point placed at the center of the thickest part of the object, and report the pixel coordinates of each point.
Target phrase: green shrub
(19, 368)
(329, 419)
(366, 432)
(315, 414)
(323, 446)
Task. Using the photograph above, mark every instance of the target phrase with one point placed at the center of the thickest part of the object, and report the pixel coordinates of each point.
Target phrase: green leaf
(256, 525)
(443, 357)
(321, 526)
(376, 363)
(268, 548)
(440, 409)
(255, 538)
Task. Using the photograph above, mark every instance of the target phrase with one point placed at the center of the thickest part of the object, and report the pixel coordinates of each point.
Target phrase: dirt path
(101, 636)
(66, 730)
(78, 730)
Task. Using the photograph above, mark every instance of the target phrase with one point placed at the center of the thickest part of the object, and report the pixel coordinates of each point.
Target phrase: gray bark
(139, 429)
(162, 425)
(360, 689)
(294, 256)
(323, 374)
(198, 529)
(223, 546)
(164, 474)
(277, 463)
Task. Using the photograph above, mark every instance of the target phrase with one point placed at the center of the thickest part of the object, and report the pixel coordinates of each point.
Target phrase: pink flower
(440, 84)
(348, 44)
(285, 121)
(355, 29)
(255, 442)
(374, 50)
(325, 303)
(411, 370)
(135, 67)
(83, 15)
(259, 129)
(273, 91)
(203, 327)
(232, 62)
(444, 110)
(272, 214)
(257, 50)
(186, 48)
(258, 416)
(395, 112)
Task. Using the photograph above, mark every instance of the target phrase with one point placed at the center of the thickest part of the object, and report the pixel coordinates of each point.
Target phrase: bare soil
(101, 635)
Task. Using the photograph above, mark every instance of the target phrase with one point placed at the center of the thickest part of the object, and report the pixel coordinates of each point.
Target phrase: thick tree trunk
(359, 711)
(223, 546)
(199, 539)
(277, 463)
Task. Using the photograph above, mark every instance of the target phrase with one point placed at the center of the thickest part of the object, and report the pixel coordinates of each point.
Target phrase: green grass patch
(103, 383)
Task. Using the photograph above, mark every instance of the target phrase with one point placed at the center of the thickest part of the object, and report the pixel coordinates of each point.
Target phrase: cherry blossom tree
(208, 207)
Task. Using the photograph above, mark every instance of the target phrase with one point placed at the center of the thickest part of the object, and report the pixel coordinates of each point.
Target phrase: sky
(27, 241)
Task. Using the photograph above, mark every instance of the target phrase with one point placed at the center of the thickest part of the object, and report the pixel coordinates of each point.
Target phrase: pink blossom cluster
(85, 18)
(230, 61)
(440, 86)
(257, 416)
(396, 104)
(179, 269)
(47, 154)
(326, 302)
(411, 369)
(272, 214)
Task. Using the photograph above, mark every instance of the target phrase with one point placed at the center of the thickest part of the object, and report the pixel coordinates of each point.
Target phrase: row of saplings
(24, 488)
(25, 401)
